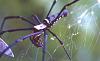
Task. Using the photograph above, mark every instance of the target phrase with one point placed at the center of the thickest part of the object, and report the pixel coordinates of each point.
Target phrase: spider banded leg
(54, 2)
(12, 17)
(19, 40)
(13, 30)
(60, 43)
(44, 46)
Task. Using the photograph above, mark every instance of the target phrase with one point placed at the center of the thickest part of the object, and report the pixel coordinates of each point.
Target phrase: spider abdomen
(37, 40)
(51, 19)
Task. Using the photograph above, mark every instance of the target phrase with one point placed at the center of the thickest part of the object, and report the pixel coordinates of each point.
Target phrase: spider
(39, 29)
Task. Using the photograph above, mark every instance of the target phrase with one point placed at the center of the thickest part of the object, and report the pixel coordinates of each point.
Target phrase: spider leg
(36, 18)
(68, 4)
(19, 40)
(54, 2)
(14, 30)
(44, 45)
(61, 42)
(16, 17)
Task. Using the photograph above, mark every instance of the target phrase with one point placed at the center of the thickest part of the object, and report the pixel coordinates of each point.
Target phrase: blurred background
(79, 31)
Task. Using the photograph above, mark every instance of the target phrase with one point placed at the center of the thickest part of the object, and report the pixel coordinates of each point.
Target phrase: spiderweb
(79, 31)
(85, 36)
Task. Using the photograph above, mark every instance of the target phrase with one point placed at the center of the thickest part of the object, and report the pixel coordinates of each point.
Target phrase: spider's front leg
(14, 17)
